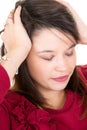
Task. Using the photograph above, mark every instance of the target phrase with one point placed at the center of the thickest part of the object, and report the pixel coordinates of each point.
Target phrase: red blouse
(17, 113)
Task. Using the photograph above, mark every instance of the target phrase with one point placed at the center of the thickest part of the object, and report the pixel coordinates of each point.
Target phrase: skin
(52, 55)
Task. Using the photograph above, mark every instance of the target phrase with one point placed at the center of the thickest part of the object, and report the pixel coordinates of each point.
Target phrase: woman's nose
(61, 65)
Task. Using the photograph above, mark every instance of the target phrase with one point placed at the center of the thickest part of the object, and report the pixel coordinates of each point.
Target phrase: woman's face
(51, 60)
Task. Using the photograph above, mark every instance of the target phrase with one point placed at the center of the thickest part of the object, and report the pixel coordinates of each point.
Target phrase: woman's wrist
(12, 60)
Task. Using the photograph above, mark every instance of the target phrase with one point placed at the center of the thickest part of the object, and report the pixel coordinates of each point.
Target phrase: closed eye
(70, 53)
(47, 58)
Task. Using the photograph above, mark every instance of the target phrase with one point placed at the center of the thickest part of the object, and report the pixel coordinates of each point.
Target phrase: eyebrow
(73, 45)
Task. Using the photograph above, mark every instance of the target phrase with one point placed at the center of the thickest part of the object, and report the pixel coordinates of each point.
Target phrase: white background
(79, 5)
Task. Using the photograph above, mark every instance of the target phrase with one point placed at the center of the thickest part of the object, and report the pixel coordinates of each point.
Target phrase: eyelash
(69, 54)
(49, 59)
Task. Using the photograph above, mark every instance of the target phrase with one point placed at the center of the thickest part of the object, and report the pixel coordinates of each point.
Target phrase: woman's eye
(69, 53)
(46, 58)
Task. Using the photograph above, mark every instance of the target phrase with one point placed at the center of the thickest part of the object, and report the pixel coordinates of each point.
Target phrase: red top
(17, 113)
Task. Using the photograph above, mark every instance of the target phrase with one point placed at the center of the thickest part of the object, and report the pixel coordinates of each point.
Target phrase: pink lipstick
(61, 78)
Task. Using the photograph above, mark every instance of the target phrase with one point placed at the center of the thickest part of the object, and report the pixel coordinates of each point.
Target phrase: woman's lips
(61, 78)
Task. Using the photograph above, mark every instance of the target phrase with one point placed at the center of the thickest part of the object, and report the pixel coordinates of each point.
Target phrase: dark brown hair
(37, 15)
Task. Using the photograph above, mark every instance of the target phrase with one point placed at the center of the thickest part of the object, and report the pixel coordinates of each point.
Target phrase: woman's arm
(17, 43)
(4, 83)
(82, 27)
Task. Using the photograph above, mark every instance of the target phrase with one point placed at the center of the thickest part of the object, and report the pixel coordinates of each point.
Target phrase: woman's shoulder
(14, 100)
(18, 108)
(73, 99)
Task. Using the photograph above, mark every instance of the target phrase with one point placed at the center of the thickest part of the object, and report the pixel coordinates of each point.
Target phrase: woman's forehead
(51, 40)
(52, 34)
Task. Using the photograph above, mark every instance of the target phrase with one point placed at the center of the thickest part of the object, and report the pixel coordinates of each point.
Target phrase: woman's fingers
(10, 19)
(17, 19)
(15, 35)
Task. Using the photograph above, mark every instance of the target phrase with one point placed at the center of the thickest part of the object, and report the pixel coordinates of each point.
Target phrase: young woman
(50, 90)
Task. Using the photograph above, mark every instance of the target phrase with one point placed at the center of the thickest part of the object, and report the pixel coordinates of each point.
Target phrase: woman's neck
(55, 99)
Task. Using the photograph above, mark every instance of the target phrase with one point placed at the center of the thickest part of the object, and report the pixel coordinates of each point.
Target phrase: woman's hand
(16, 41)
(15, 36)
(82, 27)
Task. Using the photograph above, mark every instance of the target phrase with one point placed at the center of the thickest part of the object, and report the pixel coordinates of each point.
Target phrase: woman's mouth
(61, 78)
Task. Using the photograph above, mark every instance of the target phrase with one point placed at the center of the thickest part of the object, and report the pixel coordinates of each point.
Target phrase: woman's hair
(37, 15)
